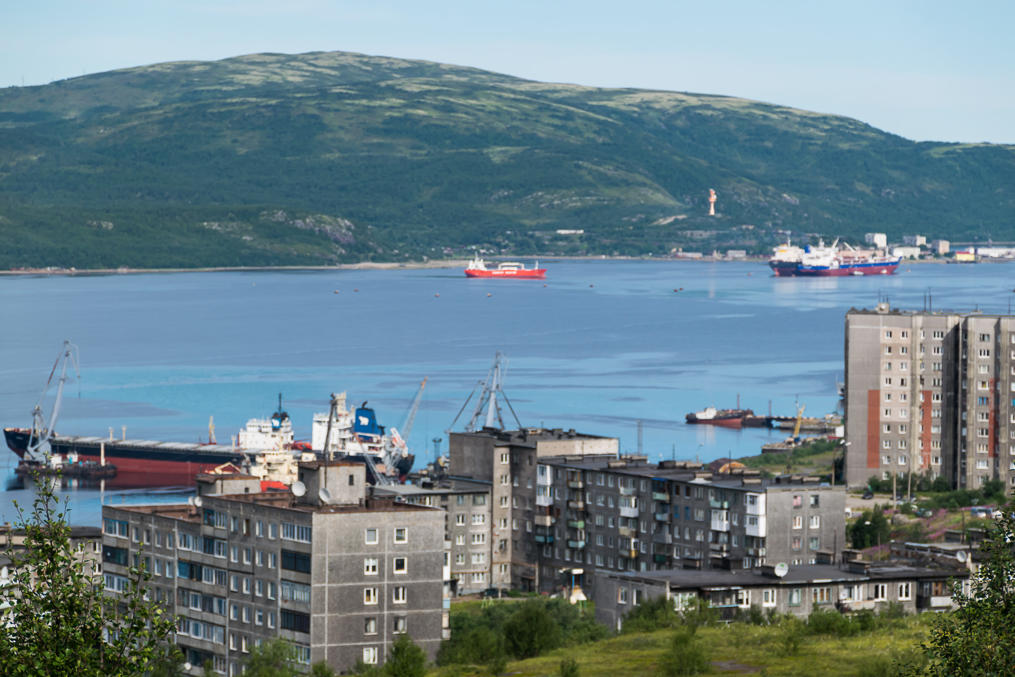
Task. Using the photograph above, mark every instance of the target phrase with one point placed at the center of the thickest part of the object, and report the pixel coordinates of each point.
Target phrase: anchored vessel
(727, 418)
(834, 261)
(477, 268)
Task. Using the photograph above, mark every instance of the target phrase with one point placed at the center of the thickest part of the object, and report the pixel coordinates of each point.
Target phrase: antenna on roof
(324, 495)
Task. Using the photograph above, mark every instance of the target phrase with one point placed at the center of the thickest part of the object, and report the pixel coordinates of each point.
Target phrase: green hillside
(318, 158)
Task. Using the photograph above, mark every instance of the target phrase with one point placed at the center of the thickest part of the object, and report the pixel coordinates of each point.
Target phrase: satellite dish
(197, 501)
(324, 495)
(299, 489)
(190, 500)
(781, 569)
(961, 555)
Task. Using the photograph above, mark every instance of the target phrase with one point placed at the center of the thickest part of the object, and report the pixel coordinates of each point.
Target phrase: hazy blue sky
(927, 70)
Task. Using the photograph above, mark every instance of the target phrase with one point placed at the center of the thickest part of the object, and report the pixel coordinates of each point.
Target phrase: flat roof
(276, 499)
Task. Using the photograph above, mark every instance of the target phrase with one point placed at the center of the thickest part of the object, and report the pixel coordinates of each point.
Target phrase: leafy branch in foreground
(978, 638)
(55, 618)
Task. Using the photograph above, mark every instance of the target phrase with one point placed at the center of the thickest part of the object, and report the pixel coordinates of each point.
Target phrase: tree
(531, 630)
(686, 656)
(978, 638)
(55, 618)
(406, 659)
(274, 658)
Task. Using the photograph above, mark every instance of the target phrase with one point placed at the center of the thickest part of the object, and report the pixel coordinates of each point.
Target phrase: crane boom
(38, 448)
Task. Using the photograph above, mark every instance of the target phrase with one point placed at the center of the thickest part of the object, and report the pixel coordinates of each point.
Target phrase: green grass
(815, 458)
(735, 649)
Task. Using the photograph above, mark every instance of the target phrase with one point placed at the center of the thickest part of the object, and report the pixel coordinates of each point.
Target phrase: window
(370, 595)
(879, 591)
(400, 566)
(479, 518)
(370, 566)
(815, 522)
(821, 595)
(370, 536)
(401, 624)
(815, 542)
(296, 621)
(399, 595)
(296, 561)
(798, 522)
(401, 535)
(904, 591)
(621, 595)
(794, 597)
(370, 655)
(768, 597)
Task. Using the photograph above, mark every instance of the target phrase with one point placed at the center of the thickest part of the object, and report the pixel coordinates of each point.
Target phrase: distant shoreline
(375, 265)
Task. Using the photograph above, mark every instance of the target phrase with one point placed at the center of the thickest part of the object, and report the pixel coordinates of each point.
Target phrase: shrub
(531, 630)
(686, 655)
(651, 614)
(791, 633)
(568, 668)
(828, 622)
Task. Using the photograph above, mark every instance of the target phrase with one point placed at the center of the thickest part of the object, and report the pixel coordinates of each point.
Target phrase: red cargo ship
(477, 268)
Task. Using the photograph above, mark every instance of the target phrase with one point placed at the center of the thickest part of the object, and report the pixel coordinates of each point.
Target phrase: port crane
(39, 449)
(489, 389)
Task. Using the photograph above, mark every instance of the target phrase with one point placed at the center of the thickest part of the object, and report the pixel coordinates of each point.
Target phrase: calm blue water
(600, 346)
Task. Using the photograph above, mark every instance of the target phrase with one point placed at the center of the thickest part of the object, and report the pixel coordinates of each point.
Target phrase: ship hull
(533, 274)
(798, 270)
(138, 464)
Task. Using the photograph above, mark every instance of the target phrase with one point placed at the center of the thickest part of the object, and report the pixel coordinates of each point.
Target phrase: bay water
(598, 346)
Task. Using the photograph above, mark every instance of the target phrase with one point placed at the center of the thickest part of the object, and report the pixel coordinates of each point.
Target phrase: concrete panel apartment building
(930, 392)
(602, 514)
(467, 521)
(507, 460)
(336, 573)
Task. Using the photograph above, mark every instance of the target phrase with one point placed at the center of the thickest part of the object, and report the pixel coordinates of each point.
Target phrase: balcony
(759, 530)
(576, 545)
(576, 524)
(757, 552)
(544, 538)
(576, 505)
(626, 532)
(661, 496)
(625, 491)
(575, 484)
(544, 500)
(718, 505)
(544, 520)
(720, 524)
(626, 511)
(662, 517)
(545, 479)
(659, 558)
(664, 537)
(933, 602)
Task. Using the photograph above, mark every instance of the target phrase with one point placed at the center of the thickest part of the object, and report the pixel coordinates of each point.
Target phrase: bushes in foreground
(516, 630)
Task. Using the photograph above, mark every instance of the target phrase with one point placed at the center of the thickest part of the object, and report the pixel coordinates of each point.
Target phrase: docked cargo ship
(727, 418)
(833, 261)
(265, 448)
(477, 268)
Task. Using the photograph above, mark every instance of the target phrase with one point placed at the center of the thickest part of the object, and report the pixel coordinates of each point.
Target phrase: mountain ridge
(326, 157)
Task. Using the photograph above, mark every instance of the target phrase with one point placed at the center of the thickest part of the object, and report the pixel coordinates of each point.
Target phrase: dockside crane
(39, 448)
(490, 389)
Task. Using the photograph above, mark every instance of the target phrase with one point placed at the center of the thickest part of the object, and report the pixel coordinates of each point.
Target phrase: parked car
(867, 495)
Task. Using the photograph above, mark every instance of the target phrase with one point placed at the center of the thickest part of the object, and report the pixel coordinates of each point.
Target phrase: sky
(924, 69)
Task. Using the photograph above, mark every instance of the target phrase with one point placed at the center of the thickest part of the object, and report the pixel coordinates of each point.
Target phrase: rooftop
(276, 499)
(530, 436)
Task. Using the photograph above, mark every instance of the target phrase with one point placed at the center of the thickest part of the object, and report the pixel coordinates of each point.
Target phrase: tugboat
(477, 268)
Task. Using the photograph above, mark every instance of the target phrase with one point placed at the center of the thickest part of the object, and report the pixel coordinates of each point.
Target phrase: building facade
(336, 573)
(467, 525)
(930, 392)
(600, 514)
(507, 459)
(799, 590)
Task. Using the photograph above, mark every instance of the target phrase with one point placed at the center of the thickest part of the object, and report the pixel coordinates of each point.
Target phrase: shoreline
(391, 265)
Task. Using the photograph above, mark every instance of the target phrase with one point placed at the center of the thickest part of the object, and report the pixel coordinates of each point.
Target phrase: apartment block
(930, 392)
(507, 459)
(601, 515)
(467, 525)
(338, 574)
(800, 590)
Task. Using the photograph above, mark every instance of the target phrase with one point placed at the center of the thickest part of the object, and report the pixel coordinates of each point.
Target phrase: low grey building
(799, 591)
(336, 573)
